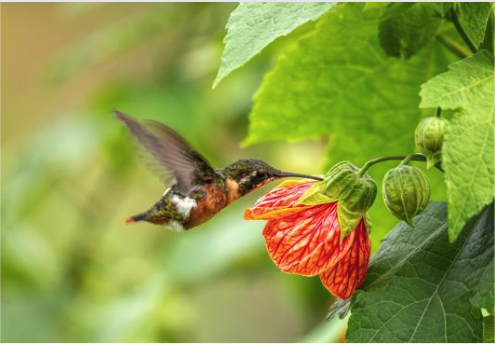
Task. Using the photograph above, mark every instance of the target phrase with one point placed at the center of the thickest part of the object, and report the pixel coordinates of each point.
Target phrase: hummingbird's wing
(172, 152)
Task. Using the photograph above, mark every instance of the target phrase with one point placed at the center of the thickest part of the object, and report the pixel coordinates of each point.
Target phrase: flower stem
(405, 159)
(439, 112)
(408, 158)
(452, 46)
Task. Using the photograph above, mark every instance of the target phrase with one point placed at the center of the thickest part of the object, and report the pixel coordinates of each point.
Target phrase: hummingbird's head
(250, 174)
(246, 175)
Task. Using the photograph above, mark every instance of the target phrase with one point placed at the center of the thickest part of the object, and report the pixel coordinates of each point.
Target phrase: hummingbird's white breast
(175, 226)
(184, 205)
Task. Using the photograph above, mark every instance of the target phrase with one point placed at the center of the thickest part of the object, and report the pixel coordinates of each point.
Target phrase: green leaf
(442, 8)
(488, 335)
(419, 286)
(468, 163)
(254, 25)
(375, 5)
(404, 32)
(473, 17)
(488, 41)
(468, 146)
(483, 297)
(339, 84)
(468, 84)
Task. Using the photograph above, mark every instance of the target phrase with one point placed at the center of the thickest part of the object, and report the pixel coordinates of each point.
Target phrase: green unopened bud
(429, 139)
(406, 192)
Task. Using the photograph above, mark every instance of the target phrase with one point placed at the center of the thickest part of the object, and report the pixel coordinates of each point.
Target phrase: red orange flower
(306, 239)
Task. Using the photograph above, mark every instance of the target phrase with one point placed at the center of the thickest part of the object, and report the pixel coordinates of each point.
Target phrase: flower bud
(355, 194)
(429, 138)
(406, 192)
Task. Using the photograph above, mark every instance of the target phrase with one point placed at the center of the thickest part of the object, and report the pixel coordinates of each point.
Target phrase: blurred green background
(71, 269)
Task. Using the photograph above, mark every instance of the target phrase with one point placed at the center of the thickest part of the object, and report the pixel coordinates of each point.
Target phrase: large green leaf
(254, 25)
(488, 323)
(337, 81)
(468, 84)
(375, 5)
(405, 28)
(419, 285)
(473, 17)
(468, 146)
(468, 163)
(441, 8)
(484, 293)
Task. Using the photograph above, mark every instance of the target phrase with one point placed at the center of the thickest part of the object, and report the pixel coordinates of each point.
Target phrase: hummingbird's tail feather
(283, 174)
(136, 218)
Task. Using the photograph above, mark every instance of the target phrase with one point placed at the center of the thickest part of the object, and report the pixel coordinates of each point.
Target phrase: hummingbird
(198, 191)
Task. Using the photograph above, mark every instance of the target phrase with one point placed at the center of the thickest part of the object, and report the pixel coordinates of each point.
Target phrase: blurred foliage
(71, 270)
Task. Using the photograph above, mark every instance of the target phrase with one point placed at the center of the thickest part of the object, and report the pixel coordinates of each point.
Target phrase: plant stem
(416, 157)
(439, 112)
(460, 30)
(452, 46)
(407, 159)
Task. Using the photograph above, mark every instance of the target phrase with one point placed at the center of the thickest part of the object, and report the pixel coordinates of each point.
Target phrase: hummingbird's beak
(282, 174)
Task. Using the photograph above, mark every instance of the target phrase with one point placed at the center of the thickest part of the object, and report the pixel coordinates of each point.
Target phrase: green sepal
(367, 222)
(354, 195)
(433, 159)
(348, 219)
(315, 196)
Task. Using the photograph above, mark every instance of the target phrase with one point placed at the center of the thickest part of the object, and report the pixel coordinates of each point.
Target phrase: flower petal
(279, 202)
(343, 278)
(306, 243)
